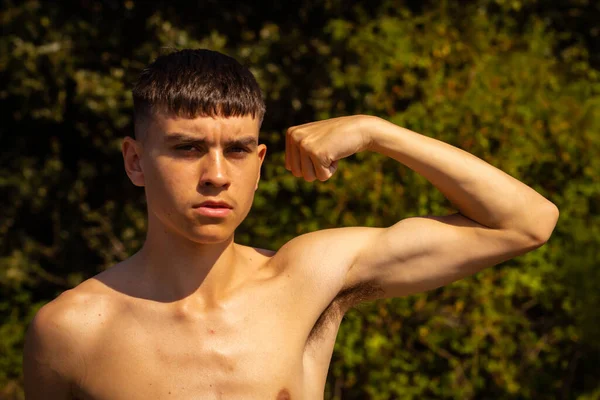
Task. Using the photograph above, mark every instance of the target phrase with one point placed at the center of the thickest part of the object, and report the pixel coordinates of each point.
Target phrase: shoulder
(67, 318)
(71, 321)
(322, 259)
(57, 343)
(335, 247)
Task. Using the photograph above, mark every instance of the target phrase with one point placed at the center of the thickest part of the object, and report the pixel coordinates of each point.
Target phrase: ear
(262, 151)
(132, 152)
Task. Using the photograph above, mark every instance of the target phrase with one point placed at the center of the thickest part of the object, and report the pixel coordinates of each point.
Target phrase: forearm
(480, 191)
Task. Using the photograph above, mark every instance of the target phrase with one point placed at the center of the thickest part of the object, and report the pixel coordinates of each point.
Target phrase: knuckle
(306, 148)
(297, 136)
(290, 136)
(323, 157)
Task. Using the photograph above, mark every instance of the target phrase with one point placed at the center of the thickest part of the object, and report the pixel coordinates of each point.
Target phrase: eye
(187, 147)
(238, 149)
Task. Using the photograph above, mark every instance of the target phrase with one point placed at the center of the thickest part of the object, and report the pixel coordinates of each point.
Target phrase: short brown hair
(197, 83)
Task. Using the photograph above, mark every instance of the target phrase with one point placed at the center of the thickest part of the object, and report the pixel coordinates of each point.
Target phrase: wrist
(379, 134)
(370, 129)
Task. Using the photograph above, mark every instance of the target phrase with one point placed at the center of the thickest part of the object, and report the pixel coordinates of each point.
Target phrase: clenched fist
(312, 150)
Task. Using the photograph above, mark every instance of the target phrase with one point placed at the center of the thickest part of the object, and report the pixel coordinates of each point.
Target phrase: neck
(171, 267)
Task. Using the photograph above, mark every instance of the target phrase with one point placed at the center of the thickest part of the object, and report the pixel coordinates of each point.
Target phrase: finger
(296, 165)
(308, 170)
(321, 171)
(332, 168)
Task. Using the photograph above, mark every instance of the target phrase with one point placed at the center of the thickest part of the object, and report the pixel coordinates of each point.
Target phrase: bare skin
(255, 344)
(194, 315)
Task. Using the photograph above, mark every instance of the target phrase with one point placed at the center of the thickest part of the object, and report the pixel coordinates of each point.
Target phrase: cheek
(246, 180)
(170, 181)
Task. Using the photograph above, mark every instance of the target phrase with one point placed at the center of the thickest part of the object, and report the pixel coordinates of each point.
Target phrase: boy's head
(195, 83)
(197, 114)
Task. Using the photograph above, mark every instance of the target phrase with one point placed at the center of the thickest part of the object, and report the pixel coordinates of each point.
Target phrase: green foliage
(513, 82)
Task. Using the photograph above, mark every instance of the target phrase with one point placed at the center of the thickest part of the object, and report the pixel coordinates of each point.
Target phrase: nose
(214, 170)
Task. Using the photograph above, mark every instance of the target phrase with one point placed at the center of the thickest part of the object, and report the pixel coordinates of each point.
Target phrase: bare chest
(253, 350)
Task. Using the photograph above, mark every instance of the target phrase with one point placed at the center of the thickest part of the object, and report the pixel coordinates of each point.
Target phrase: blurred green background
(515, 82)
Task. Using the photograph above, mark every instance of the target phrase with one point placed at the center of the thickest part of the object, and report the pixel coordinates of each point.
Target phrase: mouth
(216, 209)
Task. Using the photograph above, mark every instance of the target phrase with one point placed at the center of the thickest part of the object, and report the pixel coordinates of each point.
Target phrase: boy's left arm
(499, 217)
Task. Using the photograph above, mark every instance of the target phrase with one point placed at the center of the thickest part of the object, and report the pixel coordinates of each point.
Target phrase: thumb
(332, 168)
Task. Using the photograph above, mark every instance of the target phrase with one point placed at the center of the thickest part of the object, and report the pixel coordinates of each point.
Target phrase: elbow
(543, 221)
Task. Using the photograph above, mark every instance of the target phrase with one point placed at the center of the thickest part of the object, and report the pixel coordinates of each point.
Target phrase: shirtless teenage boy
(193, 315)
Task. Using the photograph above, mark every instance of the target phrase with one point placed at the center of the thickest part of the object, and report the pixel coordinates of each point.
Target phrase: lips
(211, 208)
(214, 204)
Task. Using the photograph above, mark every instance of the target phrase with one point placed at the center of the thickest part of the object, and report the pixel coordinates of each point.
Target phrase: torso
(273, 340)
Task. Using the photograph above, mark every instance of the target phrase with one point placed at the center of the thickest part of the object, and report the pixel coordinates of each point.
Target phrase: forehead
(210, 128)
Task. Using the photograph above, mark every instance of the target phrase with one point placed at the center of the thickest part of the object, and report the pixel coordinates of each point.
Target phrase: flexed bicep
(423, 253)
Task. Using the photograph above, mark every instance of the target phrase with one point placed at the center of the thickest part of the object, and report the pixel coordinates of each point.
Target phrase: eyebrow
(249, 141)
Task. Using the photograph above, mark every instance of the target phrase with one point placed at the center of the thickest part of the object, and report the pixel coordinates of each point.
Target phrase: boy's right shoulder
(63, 335)
(78, 312)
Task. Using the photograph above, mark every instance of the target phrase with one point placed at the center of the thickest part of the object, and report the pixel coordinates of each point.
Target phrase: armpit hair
(346, 299)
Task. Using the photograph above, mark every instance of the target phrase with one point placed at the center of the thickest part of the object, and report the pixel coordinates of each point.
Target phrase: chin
(210, 235)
